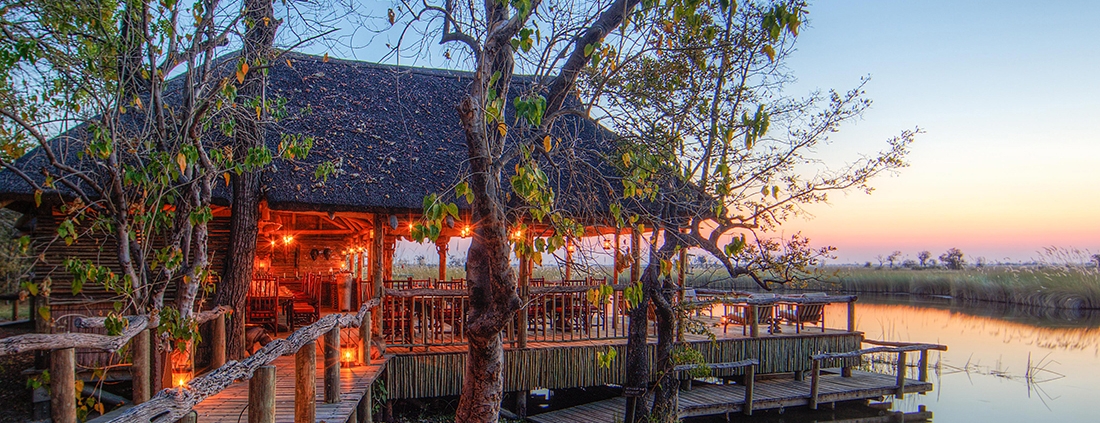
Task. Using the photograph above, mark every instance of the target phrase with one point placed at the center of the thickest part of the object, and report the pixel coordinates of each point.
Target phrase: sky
(1006, 94)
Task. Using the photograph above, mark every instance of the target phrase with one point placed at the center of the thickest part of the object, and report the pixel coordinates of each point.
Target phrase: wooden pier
(228, 406)
(708, 400)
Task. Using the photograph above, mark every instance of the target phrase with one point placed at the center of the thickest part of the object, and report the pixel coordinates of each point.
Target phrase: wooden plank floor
(229, 405)
(769, 394)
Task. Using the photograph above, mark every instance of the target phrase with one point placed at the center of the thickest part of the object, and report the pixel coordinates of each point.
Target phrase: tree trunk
(246, 185)
(637, 355)
(493, 298)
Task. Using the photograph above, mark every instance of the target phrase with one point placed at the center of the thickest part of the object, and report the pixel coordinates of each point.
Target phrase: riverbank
(1065, 287)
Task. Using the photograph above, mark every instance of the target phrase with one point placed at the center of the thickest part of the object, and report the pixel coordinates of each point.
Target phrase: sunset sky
(1007, 94)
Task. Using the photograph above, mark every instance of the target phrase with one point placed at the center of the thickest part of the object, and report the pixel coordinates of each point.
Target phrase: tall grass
(1060, 286)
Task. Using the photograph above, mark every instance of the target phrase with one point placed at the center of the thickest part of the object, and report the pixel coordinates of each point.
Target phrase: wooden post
(754, 321)
(376, 268)
(750, 382)
(636, 254)
(364, 337)
(305, 383)
(901, 375)
(815, 375)
(846, 371)
(261, 395)
(922, 374)
(441, 248)
(62, 385)
(569, 246)
(524, 282)
(521, 404)
(366, 412)
(615, 281)
(192, 417)
(15, 309)
(852, 315)
(139, 370)
(332, 365)
(217, 358)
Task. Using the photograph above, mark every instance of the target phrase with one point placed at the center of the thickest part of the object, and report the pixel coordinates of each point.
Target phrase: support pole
(569, 246)
(364, 336)
(441, 248)
(750, 383)
(305, 383)
(261, 395)
(366, 412)
(332, 365)
(901, 375)
(851, 316)
(192, 417)
(754, 321)
(217, 358)
(615, 281)
(376, 268)
(139, 371)
(523, 283)
(62, 385)
(815, 376)
(923, 366)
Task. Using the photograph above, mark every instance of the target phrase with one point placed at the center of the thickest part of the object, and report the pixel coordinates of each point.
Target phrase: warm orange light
(571, 248)
(180, 379)
(607, 244)
(272, 242)
(466, 231)
(287, 239)
(348, 355)
(182, 371)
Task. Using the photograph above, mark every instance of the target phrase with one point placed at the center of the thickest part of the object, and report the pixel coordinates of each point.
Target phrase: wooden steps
(708, 400)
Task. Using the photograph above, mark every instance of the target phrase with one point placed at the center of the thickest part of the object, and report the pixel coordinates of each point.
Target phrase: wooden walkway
(229, 405)
(708, 400)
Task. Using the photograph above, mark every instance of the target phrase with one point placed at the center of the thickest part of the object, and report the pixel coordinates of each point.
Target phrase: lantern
(349, 346)
(607, 244)
(466, 231)
(182, 369)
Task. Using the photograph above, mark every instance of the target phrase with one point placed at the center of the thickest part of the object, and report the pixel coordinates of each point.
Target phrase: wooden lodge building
(394, 137)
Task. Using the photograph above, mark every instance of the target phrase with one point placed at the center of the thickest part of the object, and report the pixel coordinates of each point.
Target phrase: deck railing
(427, 317)
(749, 381)
(899, 348)
(750, 311)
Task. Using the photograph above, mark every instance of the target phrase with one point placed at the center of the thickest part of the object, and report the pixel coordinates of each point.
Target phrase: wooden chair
(739, 315)
(799, 314)
(263, 302)
(306, 307)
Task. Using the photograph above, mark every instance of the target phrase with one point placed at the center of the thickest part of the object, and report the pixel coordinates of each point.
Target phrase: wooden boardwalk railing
(172, 404)
(900, 348)
(750, 376)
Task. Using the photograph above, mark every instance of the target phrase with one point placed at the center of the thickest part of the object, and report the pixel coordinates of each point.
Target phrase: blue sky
(1007, 95)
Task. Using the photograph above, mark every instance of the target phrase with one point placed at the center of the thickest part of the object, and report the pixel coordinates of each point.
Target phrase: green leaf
(769, 51)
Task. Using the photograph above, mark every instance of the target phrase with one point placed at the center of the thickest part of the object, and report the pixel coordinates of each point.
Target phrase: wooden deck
(708, 400)
(229, 405)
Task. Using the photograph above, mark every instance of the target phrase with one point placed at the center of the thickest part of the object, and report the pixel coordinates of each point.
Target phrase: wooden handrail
(750, 376)
(171, 404)
(900, 348)
(56, 341)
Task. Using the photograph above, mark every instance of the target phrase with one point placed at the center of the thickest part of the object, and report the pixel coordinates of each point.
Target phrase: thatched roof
(393, 131)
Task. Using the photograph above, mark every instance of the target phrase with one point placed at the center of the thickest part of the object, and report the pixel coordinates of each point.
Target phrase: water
(1003, 364)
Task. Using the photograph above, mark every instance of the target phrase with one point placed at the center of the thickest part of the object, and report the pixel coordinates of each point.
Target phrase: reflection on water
(1003, 363)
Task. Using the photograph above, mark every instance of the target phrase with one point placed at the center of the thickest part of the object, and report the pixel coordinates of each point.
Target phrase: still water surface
(1003, 364)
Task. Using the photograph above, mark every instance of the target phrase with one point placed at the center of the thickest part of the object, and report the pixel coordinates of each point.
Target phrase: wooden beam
(217, 341)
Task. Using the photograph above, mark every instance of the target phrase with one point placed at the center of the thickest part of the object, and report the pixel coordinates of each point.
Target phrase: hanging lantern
(349, 346)
(466, 231)
(182, 369)
(606, 244)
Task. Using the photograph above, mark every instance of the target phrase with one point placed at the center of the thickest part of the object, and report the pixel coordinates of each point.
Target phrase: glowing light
(607, 244)
(466, 231)
(182, 371)
(348, 355)
(287, 239)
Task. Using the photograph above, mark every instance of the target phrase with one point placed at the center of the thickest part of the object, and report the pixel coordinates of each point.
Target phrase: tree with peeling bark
(121, 154)
(495, 34)
(699, 102)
